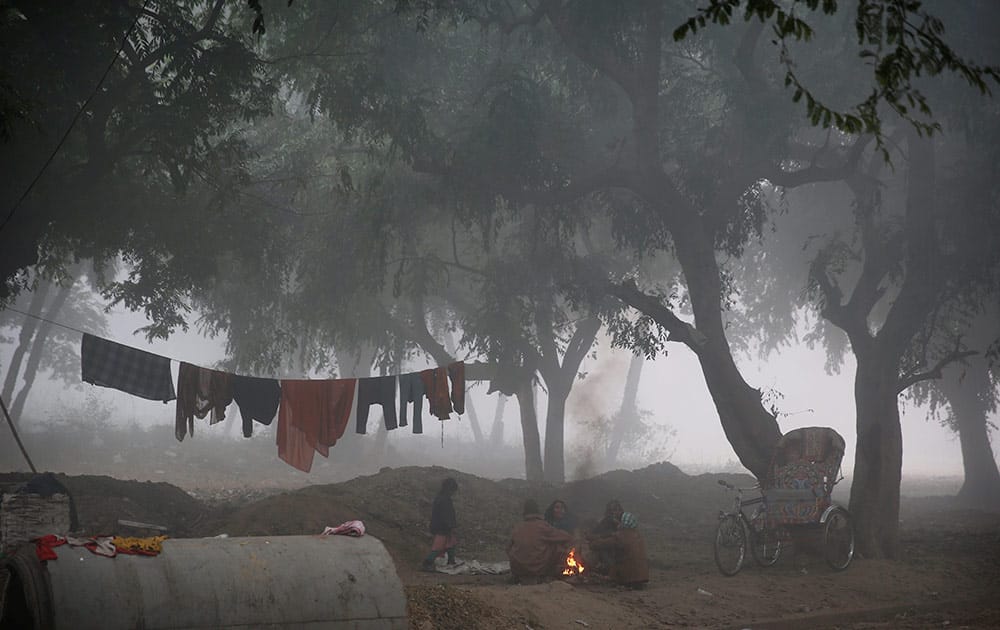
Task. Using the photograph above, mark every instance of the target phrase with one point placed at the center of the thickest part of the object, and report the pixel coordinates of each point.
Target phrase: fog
(672, 390)
(538, 190)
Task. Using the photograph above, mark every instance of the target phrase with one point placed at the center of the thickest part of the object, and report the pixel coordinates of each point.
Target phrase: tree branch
(833, 307)
(935, 372)
(580, 343)
(599, 57)
(651, 306)
(814, 173)
(580, 186)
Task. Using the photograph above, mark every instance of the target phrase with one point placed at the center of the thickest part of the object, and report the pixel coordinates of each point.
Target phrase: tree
(625, 45)
(589, 113)
(159, 126)
(971, 393)
(43, 345)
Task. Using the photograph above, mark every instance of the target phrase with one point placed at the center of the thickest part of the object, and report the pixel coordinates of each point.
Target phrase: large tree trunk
(477, 432)
(496, 431)
(878, 463)
(966, 393)
(750, 428)
(555, 424)
(628, 415)
(560, 379)
(37, 348)
(533, 470)
(879, 457)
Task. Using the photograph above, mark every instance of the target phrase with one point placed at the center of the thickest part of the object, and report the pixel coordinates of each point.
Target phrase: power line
(46, 320)
(72, 123)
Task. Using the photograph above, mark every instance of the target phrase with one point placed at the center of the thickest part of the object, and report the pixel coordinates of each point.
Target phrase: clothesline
(313, 414)
(84, 332)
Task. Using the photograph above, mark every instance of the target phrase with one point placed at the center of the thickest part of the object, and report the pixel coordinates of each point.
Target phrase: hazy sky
(672, 388)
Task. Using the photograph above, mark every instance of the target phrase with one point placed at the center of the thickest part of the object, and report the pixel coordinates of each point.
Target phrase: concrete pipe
(278, 582)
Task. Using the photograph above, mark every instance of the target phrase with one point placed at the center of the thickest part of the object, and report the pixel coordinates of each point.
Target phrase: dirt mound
(394, 504)
(102, 501)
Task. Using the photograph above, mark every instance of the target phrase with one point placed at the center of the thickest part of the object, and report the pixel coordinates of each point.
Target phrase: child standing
(443, 524)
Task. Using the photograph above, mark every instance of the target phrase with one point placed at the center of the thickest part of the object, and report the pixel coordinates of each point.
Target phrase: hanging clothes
(108, 364)
(436, 387)
(312, 416)
(456, 371)
(339, 395)
(200, 391)
(377, 390)
(257, 399)
(411, 389)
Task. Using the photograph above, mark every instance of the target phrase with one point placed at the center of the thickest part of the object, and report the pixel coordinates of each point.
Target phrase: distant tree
(43, 345)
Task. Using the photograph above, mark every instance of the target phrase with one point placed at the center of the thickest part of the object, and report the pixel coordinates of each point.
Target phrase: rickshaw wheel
(730, 545)
(766, 545)
(838, 539)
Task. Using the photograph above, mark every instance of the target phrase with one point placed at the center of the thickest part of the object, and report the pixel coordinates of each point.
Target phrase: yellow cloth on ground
(152, 544)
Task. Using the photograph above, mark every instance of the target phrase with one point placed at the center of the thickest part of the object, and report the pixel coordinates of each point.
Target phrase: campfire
(573, 565)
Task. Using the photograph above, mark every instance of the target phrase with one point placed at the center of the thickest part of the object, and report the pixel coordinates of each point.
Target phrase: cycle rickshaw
(794, 503)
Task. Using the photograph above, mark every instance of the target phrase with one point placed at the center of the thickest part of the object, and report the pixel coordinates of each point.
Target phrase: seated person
(602, 559)
(536, 549)
(558, 515)
(630, 566)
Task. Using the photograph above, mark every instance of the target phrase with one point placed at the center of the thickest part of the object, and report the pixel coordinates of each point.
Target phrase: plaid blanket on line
(137, 372)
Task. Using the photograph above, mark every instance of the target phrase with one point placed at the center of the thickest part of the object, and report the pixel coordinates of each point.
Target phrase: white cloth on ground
(473, 567)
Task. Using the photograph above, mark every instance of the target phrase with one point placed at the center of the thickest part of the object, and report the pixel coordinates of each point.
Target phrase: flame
(573, 566)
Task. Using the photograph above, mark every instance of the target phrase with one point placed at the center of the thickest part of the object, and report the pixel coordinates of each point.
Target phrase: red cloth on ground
(312, 417)
(44, 546)
(350, 528)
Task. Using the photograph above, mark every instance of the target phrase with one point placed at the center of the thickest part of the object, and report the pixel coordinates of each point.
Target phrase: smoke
(591, 407)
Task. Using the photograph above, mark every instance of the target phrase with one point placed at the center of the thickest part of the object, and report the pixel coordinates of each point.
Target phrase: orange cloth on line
(312, 416)
(436, 387)
(200, 390)
(457, 373)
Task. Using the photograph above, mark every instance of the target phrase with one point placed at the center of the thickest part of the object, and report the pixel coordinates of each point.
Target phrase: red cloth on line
(312, 416)
(436, 387)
